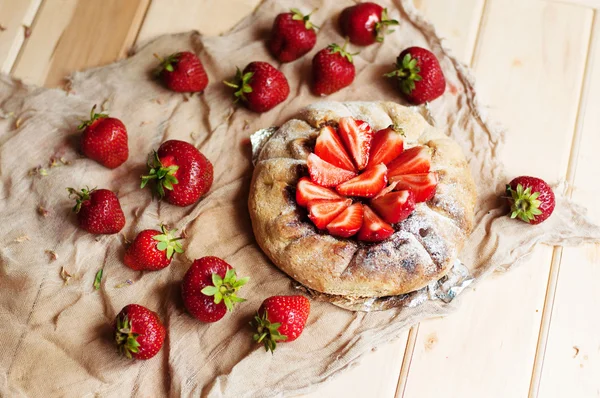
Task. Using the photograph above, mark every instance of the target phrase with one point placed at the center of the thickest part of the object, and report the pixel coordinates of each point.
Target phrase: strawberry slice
(394, 206)
(386, 146)
(412, 161)
(366, 185)
(348, 222)
(306, 190)
(374, 229)
(423, 185)
(329, 147)
(326, 174)
(322, 212)
(357, 136)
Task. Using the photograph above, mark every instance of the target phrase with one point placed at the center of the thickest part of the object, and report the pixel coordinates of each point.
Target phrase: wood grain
(15, 17)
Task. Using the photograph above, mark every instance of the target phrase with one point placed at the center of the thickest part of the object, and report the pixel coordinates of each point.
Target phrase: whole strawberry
(531, 199)
(139, 333)
(365, 23)
(182, 174)
(209, 289)
(280, 318)
(104, 139)
(292, 36)
(98, 210)
(332, 70)
(260, 86)
(152, 250)
(182, 72)
(419, 75)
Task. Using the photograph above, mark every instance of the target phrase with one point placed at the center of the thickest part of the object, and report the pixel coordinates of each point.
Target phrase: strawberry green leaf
(93, 117)
(168, 241)
(98, 279)
(210, 290)
(225, 289)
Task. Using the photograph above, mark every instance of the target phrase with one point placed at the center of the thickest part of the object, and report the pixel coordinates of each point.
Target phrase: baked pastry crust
(425, 245)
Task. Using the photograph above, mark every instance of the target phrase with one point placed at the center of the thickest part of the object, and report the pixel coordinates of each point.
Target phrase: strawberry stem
(93, 117)
(298, 16)
(407, 73)
(335, 48)
(125, 338)
(381, 26)
(80, 196)
(267, 333)
(164, 176)
(167, 241)
(225, 289)
(167, 63)
(241, 82)
(525, 204)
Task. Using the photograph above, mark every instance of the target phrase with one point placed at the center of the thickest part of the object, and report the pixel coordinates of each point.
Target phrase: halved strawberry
(412, 161)
(357, 136)
(326, 174)
(348, 222)
(367, 184)
(374, 229)
(306, 190)
(394, 206)
(322, 212)
(386, 146)
(329, 147)
(423, 185)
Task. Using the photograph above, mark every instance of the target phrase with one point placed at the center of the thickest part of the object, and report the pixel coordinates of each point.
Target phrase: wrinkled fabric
(56, 337)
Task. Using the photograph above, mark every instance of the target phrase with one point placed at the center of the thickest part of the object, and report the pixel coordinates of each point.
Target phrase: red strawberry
(365, 23)
(366, 185)
(348, 222)
(326, 174)
(183, 72)
(332, 70)
(387, 144)
(209, 289)
(280, 319)
(306, 190)
(104, 139)
(322, 212)
(152, 250)
(531, 199)
(412, 161)
(374, 229)
(139, 333)
(419, 75)
(260, 86)
(423, 185)
(329, 147)
(181, 172)
(292, 36)
(357, 136)
(98, 210)
(394, 207)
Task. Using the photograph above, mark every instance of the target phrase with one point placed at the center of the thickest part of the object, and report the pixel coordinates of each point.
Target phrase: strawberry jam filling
(362, 183)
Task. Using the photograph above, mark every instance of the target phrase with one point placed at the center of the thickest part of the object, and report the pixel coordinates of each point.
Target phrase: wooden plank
(572, 352)
(488, 347)
(15, 16)
(70, 35)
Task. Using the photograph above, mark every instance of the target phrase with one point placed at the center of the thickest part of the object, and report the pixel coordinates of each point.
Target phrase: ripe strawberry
(365, 23)
(181, 172)
(332, 70)
(419, 75)
(306, 190)
(322, 212)
(422, 185)
(98, 210)
(182, 72)
(387, 144)
(326, 174)
(292, 36)
(374, 229)
(209, 289)
(531, 199)
(329, 147)
(366, 185)
(412, 161)
(152, 250)
(104, 139)
(280, 319)
(357, 136)
(260, 86)
(139, 333)
(394, 207)
(348, 222)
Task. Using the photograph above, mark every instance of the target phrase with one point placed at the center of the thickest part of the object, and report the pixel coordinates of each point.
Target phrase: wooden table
(532, 332)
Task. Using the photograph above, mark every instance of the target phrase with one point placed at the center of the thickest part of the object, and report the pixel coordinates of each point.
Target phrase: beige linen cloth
(56, 338)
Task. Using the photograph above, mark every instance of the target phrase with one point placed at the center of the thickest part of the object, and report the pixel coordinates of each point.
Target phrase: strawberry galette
(361, 199)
